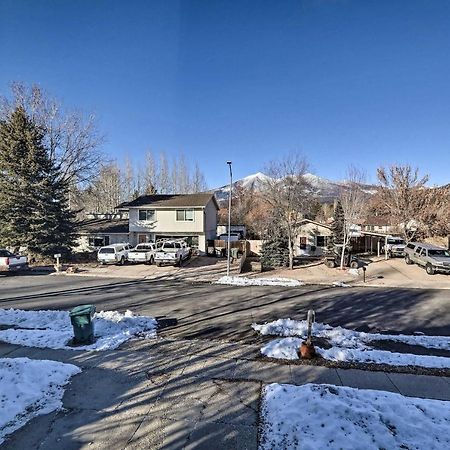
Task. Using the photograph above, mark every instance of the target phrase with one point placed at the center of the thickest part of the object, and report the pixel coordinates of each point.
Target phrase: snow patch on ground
(287, 348)
(29, 388)
(53, 329)
(330, 417)
(340, 284)
(349, 345)
(244, 281)
(353, 272)
(345, 337)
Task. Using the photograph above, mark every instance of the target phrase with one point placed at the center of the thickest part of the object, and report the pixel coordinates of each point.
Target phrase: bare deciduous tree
(353, 200)
(401, 196)
(287, 192)
(72, 138)
(105, 192)
(198, 182)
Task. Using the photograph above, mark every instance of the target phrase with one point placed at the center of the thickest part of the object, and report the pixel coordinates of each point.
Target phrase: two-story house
(189, 216)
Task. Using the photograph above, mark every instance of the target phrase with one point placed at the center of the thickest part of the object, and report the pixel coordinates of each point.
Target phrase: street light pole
(229, 219)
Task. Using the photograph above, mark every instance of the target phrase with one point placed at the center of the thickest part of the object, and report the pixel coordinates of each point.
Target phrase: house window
(321, 241)
(185, 215)
(98, 241)
(302, 242)
(147, 215)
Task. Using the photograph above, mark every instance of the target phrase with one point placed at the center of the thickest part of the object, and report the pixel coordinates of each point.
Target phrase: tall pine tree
(337, 227)
(34, 208)
(275, 251)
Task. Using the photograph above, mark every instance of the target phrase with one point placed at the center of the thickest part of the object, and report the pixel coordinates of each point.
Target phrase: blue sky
(344, 82)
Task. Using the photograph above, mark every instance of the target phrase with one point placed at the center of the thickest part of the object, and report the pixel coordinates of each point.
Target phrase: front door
(142, 238)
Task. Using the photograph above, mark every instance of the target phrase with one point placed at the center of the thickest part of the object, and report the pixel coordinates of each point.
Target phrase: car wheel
(389, 255)
(158, 264)
(330, 264)
(122, 261)
(408, 260)
(354, 265)
(151, 260)
(430, 269)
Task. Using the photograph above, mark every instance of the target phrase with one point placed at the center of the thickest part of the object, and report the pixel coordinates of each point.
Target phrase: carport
(370, 241)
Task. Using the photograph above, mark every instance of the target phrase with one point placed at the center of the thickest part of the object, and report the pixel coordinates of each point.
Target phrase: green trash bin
(82, 318)
(234, 253)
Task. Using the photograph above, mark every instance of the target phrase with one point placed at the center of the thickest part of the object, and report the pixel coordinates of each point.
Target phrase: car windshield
(171, 247)
(396, 241)
(443, 253)
(142, 248)
(4, 253)
(106, 250)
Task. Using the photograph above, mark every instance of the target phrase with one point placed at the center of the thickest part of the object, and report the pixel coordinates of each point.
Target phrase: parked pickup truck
(433, 259)
(12, 263)
(143, 253)
(172, 252)
(395, 246)
(113, 254)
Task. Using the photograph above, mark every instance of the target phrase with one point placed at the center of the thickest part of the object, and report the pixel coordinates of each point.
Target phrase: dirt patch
(319, 361)
(400, 347)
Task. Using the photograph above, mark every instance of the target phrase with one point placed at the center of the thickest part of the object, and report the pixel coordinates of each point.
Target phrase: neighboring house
(99, 231)
(378, 224)
(312, 238)
(189, 216)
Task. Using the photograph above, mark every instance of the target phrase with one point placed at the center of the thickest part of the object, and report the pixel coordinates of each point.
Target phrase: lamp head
(229, 163)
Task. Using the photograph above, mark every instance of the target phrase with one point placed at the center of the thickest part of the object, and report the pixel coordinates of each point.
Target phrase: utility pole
(229, 220)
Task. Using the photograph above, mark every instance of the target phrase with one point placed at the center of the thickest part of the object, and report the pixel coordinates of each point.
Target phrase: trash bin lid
(82, 310)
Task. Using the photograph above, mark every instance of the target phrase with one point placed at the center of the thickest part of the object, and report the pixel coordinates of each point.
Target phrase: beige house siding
(165, 221)
(210, 220)
(203, 227)
(309, 231)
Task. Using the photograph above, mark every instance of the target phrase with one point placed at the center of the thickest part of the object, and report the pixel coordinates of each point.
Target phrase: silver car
(433, 259)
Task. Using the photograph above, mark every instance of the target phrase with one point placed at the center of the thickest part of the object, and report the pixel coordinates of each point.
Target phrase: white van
(113, 254)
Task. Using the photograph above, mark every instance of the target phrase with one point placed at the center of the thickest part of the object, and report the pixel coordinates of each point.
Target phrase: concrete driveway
(379, 272)
(206, 268)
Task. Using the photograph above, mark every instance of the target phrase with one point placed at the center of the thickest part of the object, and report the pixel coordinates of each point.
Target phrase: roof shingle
(170, 200)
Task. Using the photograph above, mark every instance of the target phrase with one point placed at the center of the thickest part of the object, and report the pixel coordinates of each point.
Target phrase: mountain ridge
(326, 190)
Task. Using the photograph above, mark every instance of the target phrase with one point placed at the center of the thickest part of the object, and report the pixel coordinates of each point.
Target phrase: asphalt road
(212, 311)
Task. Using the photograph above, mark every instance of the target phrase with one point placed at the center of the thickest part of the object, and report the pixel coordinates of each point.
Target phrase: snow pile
(340, 284)
(244, 281)
(53, 329)
(29, 388)
(353, 272)
(330, 417)
(287, 348)
(344, 337)
(349, 345)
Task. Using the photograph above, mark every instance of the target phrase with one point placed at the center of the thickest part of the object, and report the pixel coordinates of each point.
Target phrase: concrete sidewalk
(179, 394)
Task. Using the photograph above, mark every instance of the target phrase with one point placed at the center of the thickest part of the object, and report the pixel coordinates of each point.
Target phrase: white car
(113, 254)
(143, 253)
(172, 252)
(12, 263)
(395, 246)
(234, 237)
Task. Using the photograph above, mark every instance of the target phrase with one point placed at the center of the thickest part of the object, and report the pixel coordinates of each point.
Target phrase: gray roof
(170, 201)
(103, 226)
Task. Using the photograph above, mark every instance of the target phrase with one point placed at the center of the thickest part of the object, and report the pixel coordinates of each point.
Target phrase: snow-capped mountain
(326, 190)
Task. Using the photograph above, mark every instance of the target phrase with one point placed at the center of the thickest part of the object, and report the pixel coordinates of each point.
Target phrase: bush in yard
(275, 252)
